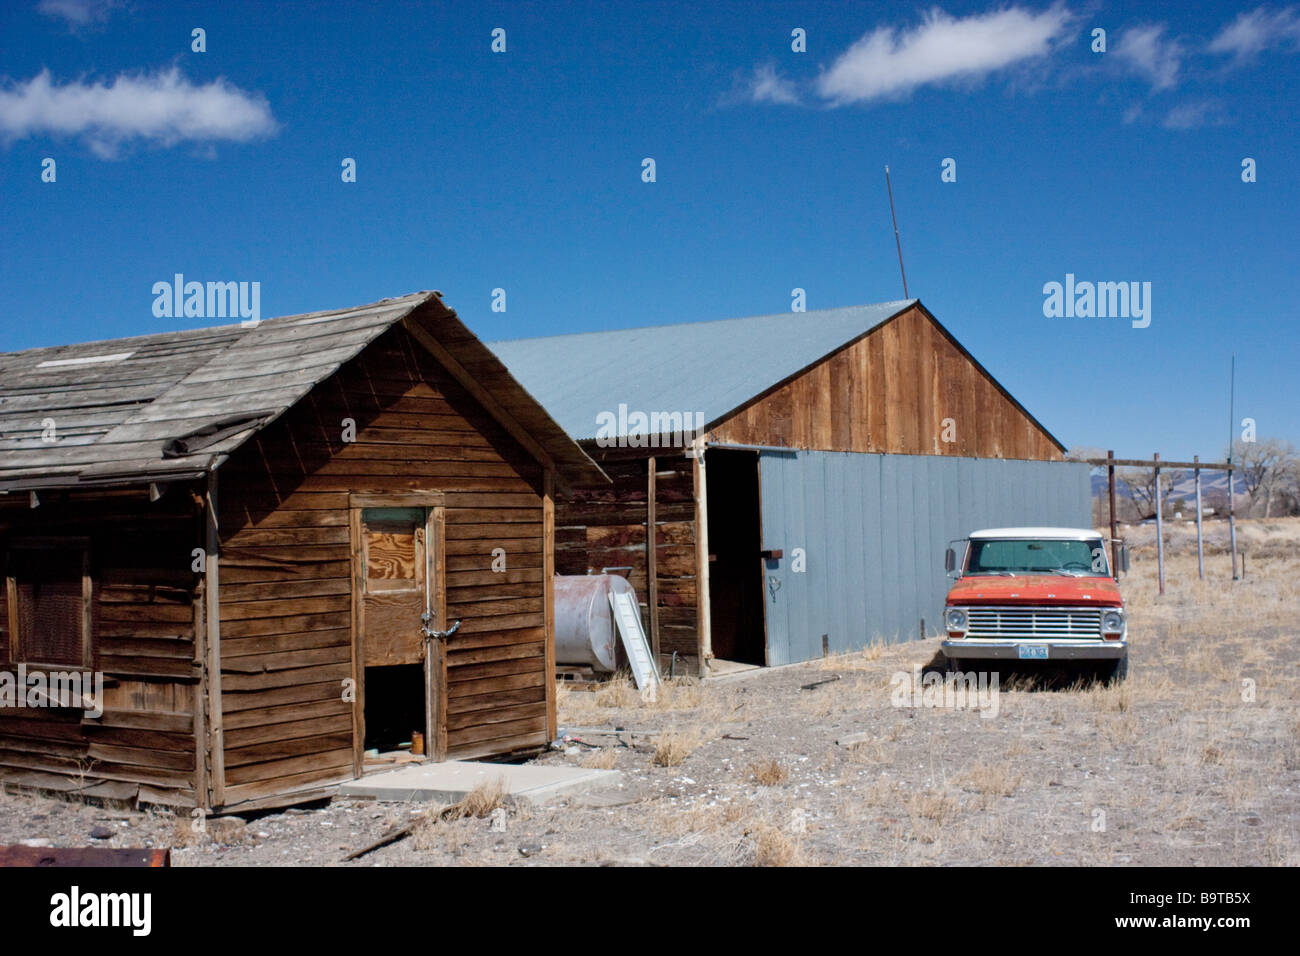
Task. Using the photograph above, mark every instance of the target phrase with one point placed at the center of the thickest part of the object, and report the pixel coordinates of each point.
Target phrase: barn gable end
(897, 389)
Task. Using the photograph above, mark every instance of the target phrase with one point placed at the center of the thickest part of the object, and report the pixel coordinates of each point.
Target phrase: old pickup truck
(1035, 594)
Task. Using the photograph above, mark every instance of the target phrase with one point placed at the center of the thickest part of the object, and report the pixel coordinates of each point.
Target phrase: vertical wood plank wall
(595, 529)
(890, 392)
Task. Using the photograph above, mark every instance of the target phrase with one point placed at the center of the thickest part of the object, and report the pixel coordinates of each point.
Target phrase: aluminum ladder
(628, 618)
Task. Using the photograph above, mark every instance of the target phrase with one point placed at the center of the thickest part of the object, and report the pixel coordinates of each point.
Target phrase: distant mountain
(1213, 484)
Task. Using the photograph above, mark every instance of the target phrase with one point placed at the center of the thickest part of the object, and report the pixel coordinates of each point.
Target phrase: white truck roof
(1056, 534)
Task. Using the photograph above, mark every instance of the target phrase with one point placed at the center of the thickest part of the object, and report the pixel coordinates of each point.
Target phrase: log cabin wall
(143, 629)
(286, 582)
(890, 391)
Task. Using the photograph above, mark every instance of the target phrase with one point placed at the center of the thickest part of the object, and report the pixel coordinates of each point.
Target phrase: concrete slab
(450, 781)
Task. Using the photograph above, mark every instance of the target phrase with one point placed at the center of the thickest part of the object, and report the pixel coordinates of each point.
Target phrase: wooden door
(394, 584)
(398, 590)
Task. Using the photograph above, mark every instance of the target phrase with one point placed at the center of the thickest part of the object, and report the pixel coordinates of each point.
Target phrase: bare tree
(1141, 483)
(1084, 452)
(1264, 467)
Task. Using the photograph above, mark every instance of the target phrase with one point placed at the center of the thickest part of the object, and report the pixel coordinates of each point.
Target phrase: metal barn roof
(706, 367)
(173, 405)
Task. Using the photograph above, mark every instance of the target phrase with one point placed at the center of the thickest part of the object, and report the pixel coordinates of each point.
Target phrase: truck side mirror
(1123, 558)
(949, 560)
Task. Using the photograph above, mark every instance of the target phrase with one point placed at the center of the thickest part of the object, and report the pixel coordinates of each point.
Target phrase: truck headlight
(955, 619)
(1112, 622)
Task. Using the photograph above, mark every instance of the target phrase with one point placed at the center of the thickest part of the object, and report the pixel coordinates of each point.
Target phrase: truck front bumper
(986, 649)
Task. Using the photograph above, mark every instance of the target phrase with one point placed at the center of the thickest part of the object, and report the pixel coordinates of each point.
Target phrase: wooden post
(435, 544)
(212, 602)
(703, 624)
(548, 600)
(651, 561)
(1160, 527)
(202, 799)
(1114, 544)
(1200, 553)
(357, 579)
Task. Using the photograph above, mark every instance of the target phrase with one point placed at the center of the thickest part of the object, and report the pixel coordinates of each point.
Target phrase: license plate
(1032, 652)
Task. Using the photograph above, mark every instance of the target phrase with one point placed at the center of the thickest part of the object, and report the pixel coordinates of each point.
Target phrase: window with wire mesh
(50, 605)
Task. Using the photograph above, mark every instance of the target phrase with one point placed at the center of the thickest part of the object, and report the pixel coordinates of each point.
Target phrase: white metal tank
(585, 635)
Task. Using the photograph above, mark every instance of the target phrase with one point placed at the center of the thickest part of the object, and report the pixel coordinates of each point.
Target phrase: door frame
(435, 657)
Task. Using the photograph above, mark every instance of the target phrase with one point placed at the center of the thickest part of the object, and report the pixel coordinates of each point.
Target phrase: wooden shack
(260, 538)
(802, 472)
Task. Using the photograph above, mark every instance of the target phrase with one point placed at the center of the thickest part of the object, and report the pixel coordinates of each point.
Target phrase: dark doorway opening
(735, 565)
(394, 709)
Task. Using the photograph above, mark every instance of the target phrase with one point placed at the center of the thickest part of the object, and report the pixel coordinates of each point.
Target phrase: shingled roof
(175, 405)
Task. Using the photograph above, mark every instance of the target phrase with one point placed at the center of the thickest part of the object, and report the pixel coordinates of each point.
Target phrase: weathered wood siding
(285, 574)
(890, 392)
(607, 528)
(143, 640)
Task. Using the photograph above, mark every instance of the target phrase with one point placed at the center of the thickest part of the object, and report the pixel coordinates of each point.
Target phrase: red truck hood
(1035, 589)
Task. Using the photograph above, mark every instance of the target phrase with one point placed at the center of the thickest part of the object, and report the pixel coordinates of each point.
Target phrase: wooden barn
(803, 473)
(239, 559)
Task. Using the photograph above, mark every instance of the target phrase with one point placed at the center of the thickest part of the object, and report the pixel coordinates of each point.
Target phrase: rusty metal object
(83, 856)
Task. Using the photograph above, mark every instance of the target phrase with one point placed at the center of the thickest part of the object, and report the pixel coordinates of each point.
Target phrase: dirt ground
(1195, 760)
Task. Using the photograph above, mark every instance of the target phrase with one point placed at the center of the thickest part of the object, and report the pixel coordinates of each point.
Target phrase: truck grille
(1034, 622)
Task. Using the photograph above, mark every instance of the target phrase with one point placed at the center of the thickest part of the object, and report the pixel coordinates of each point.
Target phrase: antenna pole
(1232, 425)
(890, 190)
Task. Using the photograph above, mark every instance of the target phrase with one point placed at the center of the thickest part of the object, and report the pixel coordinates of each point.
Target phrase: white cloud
(1193, 115)
(164, 108)
(888, 63)
(1146, 50)
(1253, 32)
(768, 86)
(78, 13)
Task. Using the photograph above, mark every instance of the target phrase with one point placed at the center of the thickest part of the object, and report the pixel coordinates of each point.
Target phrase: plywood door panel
(393, 586)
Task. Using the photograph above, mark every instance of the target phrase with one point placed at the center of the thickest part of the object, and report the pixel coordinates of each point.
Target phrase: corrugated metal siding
(874, 528)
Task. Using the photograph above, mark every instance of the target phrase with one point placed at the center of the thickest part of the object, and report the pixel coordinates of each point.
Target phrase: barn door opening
(735, 564)
(397, 561)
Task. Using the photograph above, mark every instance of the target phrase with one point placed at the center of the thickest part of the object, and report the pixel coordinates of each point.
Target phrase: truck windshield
(1037, 556)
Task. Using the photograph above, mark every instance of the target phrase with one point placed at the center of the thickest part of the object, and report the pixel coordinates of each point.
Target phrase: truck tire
(1115, 671)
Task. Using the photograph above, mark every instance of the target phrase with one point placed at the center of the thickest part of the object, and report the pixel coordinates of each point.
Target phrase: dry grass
(481, 801)
(991, 779)
(930, 812)
(768, 773)
(224, 831)
(774, 847)
(486, 798)
(606, 758)
(672, 747)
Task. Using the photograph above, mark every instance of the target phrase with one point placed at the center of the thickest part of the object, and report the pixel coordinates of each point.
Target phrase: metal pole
(1160, 527)
(896, 241)
(1232, 424)
(1200, 554)
(1232, 523)
(1114, 544)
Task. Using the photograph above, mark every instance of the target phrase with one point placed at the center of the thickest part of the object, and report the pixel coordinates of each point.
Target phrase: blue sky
(522, 170)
